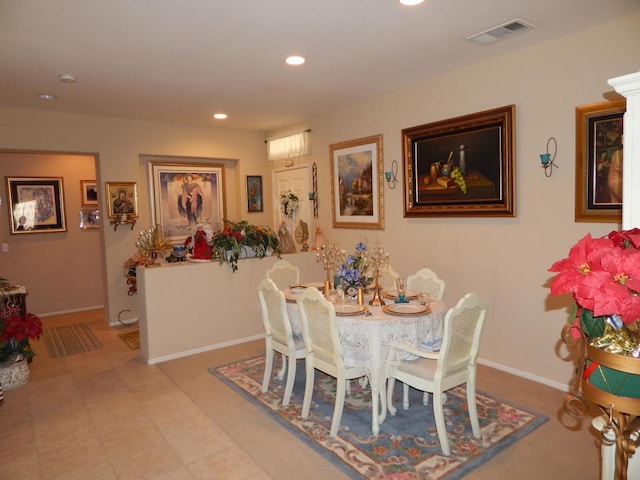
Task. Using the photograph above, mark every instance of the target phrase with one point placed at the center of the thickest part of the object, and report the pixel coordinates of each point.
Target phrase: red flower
(20, 328)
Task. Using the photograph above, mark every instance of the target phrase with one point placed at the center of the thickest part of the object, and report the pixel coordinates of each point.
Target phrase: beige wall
(63, 271)
(120, 145)
(503, 259)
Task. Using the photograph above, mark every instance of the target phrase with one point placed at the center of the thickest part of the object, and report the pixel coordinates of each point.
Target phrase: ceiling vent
(501, 31)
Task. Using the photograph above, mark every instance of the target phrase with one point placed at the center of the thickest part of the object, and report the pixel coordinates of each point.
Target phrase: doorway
(295, 180)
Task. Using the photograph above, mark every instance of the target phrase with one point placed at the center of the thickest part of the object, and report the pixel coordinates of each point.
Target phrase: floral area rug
(407, 446)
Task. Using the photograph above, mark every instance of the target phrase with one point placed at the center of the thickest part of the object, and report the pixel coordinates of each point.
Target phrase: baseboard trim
(520, 373)
(75, 310)
(208, 348)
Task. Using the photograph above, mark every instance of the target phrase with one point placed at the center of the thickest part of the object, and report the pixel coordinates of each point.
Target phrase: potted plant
(241, 240)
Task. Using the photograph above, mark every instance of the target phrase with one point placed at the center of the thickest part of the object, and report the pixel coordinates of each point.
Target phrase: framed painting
(254, 194)
(122, 199)
(184, 195)
(89, 219)
(88, 193)
(599, 162)
(464, 166)
(36, 205)
(357, 183)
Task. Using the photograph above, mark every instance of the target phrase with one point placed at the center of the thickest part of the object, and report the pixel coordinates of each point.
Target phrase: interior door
(296, 180)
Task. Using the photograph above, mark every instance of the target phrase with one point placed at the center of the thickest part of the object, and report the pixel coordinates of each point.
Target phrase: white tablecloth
(365, 340)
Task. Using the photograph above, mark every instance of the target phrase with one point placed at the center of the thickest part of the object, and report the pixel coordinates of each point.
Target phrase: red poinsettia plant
(603, 274)
(17, 330)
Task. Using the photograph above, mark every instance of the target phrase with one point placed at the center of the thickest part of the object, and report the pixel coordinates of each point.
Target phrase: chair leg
(283, 369)
(425, 398)
(308, 388)
(268, 366)
(288, 388)
(438, 413)
(338, 407)
(405, 396)
(473, 408)
(392, 410)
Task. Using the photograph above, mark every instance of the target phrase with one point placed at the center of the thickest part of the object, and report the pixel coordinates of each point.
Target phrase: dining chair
(426, 281)
(278, 336)
(284, 274)
(387, 278)
(324, 352)
(453, 365)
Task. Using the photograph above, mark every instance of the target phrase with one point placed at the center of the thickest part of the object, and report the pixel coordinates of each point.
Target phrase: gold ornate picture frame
(357, 183)
(599, 162)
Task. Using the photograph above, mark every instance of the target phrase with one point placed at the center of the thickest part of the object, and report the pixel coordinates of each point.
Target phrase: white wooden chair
(324, 352)
(284, 274)
(387, 278)
(426, 281)
(453, 365)
(278, 336)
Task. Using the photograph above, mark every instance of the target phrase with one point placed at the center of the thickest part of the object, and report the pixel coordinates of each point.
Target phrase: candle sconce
(123, 220)
(392, 176)
(547, 159)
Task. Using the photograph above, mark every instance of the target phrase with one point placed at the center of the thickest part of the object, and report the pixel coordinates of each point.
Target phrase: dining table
(367, 333)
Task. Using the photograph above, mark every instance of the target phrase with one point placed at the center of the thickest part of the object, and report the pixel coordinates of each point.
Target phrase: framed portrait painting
(254, 194)
(88, 193)
(184, 195)
(122, 199)
(357, 183)
(36, 205)
(464, 166)
(599, 162)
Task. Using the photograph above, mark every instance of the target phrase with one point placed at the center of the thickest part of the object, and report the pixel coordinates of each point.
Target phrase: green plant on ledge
(239, 239)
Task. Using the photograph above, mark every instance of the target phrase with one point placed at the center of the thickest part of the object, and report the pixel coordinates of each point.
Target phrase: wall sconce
(392, 176)
(547, 159)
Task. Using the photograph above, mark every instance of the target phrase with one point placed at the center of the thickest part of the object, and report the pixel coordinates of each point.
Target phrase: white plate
(408, 295)
(297, 289)
(349, 309)
(405, 309)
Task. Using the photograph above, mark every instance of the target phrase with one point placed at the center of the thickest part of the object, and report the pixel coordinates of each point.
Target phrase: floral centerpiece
(236, 238)
(603, 276)
(289, 203)
(354, 272)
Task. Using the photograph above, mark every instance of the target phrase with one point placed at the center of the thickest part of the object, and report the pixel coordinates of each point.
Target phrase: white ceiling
(183, 60)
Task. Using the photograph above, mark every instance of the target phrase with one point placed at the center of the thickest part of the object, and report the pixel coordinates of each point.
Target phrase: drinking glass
(401, 290)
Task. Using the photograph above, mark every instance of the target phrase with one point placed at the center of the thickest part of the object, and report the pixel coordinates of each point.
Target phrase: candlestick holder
(328, 255)
(379, 260)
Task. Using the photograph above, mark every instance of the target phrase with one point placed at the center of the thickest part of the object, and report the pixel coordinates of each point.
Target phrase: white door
(295, 180)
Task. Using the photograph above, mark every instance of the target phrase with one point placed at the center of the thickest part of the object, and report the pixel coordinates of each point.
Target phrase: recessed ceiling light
(67, 78)
(219, 116)
(295, 60)
(47, 96)
(410, 3)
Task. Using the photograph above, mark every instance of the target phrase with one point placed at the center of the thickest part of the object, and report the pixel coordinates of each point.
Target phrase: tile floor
(107, 415)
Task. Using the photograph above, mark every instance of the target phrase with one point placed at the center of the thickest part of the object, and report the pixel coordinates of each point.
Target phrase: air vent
(501, 31)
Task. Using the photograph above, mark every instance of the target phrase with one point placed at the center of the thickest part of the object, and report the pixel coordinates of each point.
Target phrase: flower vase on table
(603, 276)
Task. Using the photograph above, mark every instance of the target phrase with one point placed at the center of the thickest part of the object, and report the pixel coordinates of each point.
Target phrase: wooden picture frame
(36, 205)
(89, 219)
(88, 193)
(254, 193)
(172, 186)
(482, 146)
(599, 162)
(122, 199)
(357, 183)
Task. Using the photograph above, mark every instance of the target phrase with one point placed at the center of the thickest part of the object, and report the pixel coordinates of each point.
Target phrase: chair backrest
(319, 328)
(426, 281)
(274, 312)
(461, 339)
(284, 274)
(387, 278)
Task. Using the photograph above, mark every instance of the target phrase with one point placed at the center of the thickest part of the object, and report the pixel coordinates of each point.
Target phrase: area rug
(132, 339)
(407, 446)
(70, 340)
